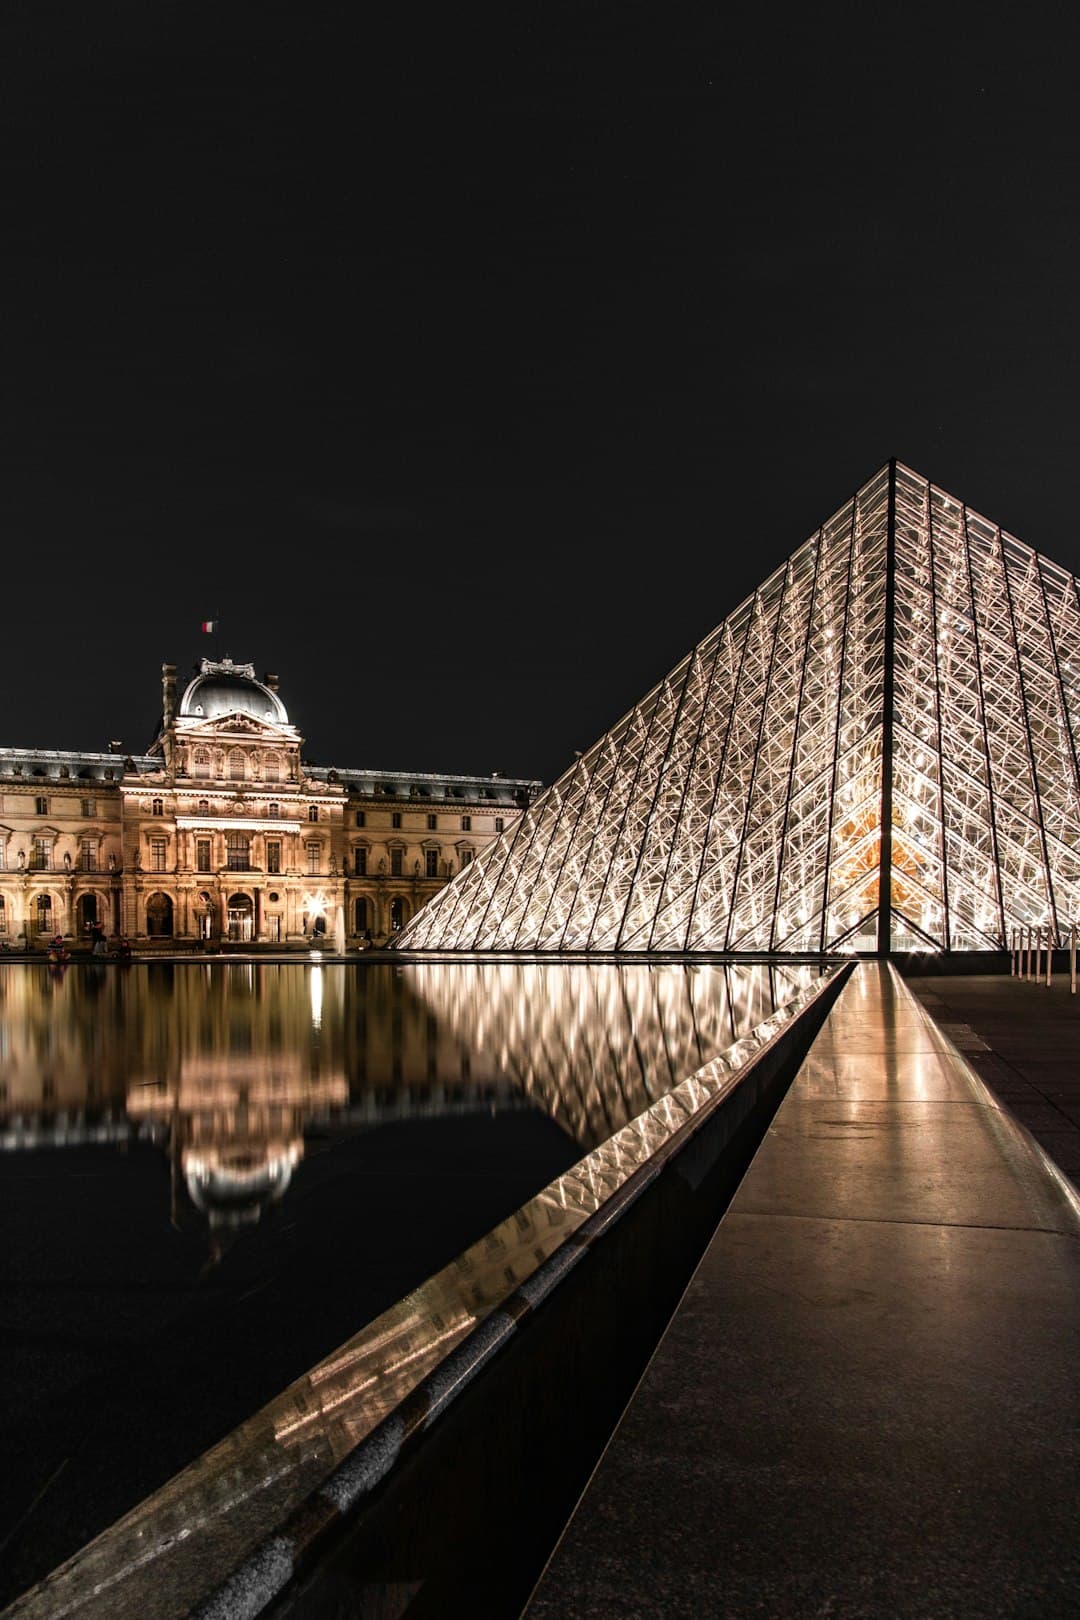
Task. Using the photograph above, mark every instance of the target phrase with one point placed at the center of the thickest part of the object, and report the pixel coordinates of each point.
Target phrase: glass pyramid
(894, 712)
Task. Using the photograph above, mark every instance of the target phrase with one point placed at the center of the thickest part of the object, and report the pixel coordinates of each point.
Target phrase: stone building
(222, 831)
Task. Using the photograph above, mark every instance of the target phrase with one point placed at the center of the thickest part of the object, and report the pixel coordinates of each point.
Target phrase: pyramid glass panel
(876, 751)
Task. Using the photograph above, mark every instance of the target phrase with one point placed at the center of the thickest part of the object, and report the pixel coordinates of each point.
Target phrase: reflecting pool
(214, 1173)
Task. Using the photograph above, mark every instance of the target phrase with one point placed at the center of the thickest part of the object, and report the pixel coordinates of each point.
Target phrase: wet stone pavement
(1023, 1040)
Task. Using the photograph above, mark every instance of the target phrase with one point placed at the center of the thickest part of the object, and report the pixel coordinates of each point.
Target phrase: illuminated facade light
(893, 713)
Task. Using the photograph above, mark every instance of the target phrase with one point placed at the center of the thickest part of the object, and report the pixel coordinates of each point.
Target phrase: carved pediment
(236, 725)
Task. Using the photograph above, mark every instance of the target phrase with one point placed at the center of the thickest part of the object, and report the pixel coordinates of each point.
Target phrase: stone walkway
(867, 1405)
(1023, 1039)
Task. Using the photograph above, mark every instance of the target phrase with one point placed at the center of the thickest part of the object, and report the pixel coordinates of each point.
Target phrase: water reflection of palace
(226, 1066)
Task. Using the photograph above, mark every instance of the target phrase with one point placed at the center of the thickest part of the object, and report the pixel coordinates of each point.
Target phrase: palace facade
(221, 831)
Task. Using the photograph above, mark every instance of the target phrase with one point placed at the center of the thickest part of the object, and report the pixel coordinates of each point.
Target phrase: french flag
(208, 626)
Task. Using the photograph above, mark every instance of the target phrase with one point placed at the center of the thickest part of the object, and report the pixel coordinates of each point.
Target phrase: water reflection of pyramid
(910, 667)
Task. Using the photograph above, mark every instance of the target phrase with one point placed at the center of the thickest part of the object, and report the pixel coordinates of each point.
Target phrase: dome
(227, 688)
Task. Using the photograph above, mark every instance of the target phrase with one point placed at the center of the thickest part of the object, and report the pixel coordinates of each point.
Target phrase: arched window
(3, 915)
(43, 908)
(159, 915)
(157, 808)
(275, 809)
(360, 917)
(204, 807)
(236, 765)
(313, 812)
(271, 768)
(200, 762)
(397, 914)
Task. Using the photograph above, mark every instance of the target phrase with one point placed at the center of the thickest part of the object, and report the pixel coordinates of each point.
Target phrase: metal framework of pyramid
(910, 668)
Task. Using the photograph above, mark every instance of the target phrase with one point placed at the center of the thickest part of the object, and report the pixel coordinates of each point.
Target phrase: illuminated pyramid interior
(911, 668)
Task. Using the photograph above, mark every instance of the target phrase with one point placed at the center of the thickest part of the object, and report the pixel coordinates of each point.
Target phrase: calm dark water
(211, 1174)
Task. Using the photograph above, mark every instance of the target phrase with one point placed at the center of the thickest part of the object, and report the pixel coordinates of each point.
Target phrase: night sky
(470, 370)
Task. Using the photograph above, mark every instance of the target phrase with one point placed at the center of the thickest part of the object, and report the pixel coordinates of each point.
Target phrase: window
(41, 855)
(238, 852)
(3, 915)
(360, 860)
(433, 822)
(313, 812)
(273, 855)
(3, 854)
(236, 765)
(313, 858)
(158, 847)
(202, 855)
(88, 807)
(466, 856)
(395, 861)
(500, 824)
(43, 906)
(431, 863)
(200, 762)
(466, 823)
(87, 855)
(274, 811)
(204, 807)
(156, 807)
(361, 819)
(41, 806)
(395, 818)
(272, 768)
(360, 921)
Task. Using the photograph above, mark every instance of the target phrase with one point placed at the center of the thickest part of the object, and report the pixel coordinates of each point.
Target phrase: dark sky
(471, 370)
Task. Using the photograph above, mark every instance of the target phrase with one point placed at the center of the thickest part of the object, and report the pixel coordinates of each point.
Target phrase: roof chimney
(168, 693)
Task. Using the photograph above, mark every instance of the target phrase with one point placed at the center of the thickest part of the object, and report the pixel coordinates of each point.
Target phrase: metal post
(1072, 957)
(1012, 953)
(1050, 943)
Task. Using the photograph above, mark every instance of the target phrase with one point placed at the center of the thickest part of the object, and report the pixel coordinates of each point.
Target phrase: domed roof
(228, 688)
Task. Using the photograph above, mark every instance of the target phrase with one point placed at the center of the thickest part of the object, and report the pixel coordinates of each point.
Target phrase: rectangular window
(41, 855)
(431, 863)
(158, 848)
(87, 855)
(273, 855)
(41, 806)
(360, 860)
(466, 856)
(361, 819)
(466, 823)
(313, 859)
(202, 855)
(88, 807)
(395, 862)
(433, 822)
(395, 818)
(238, 852)
(500, 824)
